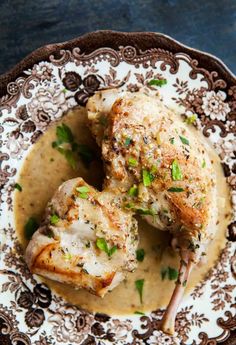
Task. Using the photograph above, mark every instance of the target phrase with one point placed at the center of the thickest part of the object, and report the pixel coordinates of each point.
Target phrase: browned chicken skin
(161, 171)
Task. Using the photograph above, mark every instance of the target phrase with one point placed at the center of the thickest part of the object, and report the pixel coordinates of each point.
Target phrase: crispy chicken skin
(161, 169)
(67, 250)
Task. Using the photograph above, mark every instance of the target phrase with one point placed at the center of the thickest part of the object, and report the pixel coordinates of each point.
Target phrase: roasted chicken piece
(85, 240)
(162, 172)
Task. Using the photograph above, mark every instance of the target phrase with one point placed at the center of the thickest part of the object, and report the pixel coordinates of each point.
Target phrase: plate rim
(87, 40)
(164, 45)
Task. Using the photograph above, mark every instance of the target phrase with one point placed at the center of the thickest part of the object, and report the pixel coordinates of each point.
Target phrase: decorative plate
(32, 97)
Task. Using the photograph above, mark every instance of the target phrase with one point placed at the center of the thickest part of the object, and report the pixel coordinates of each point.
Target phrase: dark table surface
(208, 25)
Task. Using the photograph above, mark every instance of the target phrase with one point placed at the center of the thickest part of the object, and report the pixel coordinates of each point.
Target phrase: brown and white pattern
(40, 94)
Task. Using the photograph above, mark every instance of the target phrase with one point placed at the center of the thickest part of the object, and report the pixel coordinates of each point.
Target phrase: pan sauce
(45, 169)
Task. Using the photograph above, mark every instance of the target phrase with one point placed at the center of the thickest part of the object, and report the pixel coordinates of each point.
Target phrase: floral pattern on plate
(30, 313)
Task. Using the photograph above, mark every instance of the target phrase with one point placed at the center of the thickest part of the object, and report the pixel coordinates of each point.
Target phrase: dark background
(25, 25)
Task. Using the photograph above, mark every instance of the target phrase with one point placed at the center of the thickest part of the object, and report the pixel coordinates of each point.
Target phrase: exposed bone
(168, 320)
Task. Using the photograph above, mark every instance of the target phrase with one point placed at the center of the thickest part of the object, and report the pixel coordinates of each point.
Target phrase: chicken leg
(162, 172)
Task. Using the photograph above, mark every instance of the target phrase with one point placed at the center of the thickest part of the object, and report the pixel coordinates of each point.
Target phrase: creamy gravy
(45, 169)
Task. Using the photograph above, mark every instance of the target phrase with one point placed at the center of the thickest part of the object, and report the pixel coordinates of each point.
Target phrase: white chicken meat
(85, 240)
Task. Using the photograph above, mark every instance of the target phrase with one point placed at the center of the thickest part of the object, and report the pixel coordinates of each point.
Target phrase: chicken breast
(85, 239)
(162, 170)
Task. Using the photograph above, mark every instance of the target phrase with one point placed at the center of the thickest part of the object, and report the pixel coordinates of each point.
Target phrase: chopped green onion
(140, 253)
(54, 219)
(83, 195)
(55, 144)
(67, 256)
(64, 134)
(139, 312)
(133, 191)
(147, 178)
(139, 286)
(82, 189)
(30, 227)
(140, 210)
(191, 119)
(172, 140)
(101, 243)
(132, 162)
(153, 171)
(184, 140)
(112, 251)
(18, 187)
(175, 189)
(157, 82)
(145, 211)
(203, 163)
(83, 192)
(163, 273)
(69, 155)
(169, 272)
(176, 171)
(127, 141)
(172, 273)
